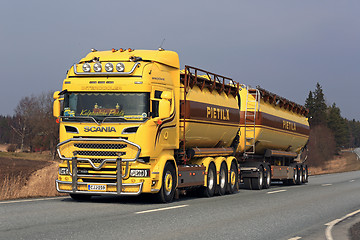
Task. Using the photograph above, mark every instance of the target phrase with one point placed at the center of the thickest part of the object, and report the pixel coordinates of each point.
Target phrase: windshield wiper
(77, 118)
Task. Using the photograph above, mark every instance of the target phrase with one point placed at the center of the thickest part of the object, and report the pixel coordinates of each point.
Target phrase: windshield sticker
(68, 112)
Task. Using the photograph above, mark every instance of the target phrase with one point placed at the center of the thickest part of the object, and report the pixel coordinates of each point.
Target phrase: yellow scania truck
(132, 122)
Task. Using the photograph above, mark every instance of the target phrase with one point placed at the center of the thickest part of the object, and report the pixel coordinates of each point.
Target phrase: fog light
(63, 171)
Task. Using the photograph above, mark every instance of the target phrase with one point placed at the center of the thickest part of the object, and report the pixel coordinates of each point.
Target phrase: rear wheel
(234, 179)
(167, 191)
(223, 179)
(209, 190)
(257, 182)
(300, 175)
(306, 174)
(267, 180)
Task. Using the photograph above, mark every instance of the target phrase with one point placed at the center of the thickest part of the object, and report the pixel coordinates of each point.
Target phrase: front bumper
(112, 183)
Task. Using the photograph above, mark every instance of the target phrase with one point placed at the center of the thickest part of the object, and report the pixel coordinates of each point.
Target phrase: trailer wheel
(296, 176)
(267, 179)
(167, 191)
(257, 182)
(299, 171)
(306, 174)
(209, 190)
(80, 197)
(234, 179)
(223, 179)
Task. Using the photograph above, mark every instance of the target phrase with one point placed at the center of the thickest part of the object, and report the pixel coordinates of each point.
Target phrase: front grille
(100, 145)
(100, 153)
(93, 160)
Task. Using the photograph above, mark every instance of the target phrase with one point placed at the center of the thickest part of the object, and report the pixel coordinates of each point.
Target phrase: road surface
(281, 212)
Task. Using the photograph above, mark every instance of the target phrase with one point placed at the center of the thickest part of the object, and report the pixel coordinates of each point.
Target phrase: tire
(306, 174)
(267, 178)
(223, 179)
(80, 197)
(233, 184)
(167, 191)
(210, 188)
(299, 171)
(295, 177)
(257, 182)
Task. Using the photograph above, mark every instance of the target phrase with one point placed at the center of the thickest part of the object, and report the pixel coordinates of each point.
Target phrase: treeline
(329, 131)
(32, 127)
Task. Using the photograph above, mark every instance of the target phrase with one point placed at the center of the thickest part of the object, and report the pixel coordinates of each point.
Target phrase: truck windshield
(105, 107)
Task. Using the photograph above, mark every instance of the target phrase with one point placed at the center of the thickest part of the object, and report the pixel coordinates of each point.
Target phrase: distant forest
(33, 128)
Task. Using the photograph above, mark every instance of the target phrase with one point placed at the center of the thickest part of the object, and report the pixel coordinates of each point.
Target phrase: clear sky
(284, 46)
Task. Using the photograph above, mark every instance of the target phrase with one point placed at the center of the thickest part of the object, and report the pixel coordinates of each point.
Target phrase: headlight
(120, 67)
(86, 67)
(63, 171)
(109, 67)
(97, 67)
(140, 173)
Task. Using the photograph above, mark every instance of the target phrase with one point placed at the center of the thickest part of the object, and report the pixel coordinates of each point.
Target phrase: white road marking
(352, 181)
(276, 191)
(331, 224)
(161, 209)
(327, 184)
(294, 238)
(32, 200)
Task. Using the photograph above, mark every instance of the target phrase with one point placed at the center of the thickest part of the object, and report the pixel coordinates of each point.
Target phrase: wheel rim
(295, 174)
(268, 179)
(232, 178)
(260, 178)
(211, 179)
(301, 175)
(222, 178)
(168, 183)
(306, 174)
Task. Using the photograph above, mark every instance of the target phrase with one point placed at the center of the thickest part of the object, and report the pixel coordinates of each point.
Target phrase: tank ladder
(252, 107)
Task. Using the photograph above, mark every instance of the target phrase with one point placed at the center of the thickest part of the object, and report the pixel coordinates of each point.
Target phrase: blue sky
(285, 47)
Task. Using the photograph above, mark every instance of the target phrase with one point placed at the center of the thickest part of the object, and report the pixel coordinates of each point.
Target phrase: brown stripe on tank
(210, 112)
(277, 122)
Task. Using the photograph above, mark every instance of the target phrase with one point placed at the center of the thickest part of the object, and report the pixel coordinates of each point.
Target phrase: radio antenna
(160, 48)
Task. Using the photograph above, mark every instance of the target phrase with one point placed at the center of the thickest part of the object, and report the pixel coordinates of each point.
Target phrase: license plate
(97, 187)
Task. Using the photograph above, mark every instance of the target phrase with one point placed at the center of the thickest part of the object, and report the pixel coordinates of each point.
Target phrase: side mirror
(56, 105)
(165, 105)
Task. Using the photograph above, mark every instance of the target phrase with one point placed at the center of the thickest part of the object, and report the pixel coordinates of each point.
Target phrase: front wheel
(167, 191)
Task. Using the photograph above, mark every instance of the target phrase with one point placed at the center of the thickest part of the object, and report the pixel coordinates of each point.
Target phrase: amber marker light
(58, 120)
(159, 122)
(121, 50)
(130, 50)
(113, 50)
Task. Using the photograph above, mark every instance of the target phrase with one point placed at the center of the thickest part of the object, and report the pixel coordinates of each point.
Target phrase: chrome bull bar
(73, 170)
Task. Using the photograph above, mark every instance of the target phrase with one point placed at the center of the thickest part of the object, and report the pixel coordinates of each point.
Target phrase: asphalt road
(281, 212)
